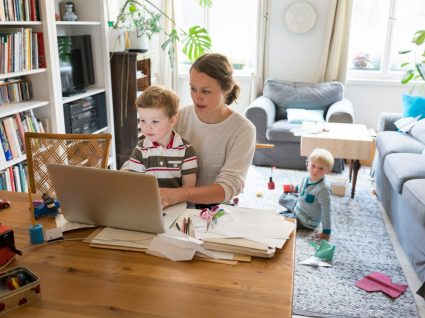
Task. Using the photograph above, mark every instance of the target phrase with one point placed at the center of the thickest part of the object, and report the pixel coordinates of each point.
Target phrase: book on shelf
(5, 144)
(12, 138)
(19, 10)
(14, 178)
(15, 90)
(19, 137)
(40, 50)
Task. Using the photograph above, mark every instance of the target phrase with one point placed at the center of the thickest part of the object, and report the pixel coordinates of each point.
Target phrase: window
(232, 26)
(379, 30)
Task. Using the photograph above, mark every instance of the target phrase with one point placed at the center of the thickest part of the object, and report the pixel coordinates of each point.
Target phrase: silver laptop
(120, 199)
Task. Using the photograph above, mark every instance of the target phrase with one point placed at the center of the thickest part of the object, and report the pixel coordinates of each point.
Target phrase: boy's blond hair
(157, 96)
(323, 156)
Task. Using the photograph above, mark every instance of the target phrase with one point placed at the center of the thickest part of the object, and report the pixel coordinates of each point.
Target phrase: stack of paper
(244, 231)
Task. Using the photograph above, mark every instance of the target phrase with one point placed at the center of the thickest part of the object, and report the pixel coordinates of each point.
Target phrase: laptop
(103, 197)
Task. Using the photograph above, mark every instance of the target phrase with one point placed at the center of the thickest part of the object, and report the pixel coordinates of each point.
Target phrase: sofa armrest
(386, 121)
(341, 112)
(262, 113)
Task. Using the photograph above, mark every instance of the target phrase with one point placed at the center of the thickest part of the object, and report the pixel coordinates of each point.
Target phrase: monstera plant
(145, 18)
(414, 102)
(415, 68)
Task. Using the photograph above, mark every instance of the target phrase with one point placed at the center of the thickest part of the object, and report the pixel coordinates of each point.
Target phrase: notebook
(103, 197)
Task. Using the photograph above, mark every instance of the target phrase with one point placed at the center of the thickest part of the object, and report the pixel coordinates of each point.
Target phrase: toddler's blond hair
(323, 156)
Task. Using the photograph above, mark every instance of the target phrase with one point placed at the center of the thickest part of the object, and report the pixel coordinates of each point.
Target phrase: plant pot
(116, 40)
(138, 43)
(413, 106)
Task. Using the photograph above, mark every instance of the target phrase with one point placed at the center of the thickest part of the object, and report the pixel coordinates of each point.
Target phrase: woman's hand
(171, 196)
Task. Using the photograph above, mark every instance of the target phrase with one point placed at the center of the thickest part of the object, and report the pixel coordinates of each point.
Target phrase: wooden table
(346, 141)
(80, 281)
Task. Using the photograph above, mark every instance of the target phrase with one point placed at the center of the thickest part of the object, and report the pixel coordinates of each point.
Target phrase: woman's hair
(323, 156)
(156, 96)
(218, 67)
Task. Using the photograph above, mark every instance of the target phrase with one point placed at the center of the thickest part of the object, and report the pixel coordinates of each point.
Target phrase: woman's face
(206, 93)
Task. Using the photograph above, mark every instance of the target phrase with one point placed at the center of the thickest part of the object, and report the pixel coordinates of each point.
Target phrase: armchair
(282, 107)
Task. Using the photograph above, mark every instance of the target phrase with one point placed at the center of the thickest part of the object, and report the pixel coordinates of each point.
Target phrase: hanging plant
(145, 18)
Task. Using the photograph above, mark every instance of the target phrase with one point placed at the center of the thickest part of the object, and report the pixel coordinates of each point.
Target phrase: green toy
(325, 250)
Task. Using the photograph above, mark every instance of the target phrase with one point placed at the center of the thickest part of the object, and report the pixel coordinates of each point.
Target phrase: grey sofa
(269, 114)
(399, 171)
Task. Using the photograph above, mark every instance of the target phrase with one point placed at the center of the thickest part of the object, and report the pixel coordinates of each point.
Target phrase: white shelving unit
(47, 102)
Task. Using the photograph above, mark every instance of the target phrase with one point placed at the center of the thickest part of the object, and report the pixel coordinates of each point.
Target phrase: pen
(177, 226)
(187, 226)
(184, 225)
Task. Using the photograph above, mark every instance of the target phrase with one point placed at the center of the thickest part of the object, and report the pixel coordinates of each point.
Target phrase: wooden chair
(88, 150)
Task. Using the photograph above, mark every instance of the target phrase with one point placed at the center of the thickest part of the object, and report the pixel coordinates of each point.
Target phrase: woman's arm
(204, 194)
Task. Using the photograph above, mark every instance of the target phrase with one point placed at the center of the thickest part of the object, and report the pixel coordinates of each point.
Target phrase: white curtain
(257, 78)
(167, 73)
(333, 64)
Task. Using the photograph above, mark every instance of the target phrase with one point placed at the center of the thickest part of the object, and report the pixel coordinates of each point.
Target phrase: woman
(224, 141)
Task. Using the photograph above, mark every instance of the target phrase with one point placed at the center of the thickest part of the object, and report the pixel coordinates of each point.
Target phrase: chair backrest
(88, 150)
(285, 94)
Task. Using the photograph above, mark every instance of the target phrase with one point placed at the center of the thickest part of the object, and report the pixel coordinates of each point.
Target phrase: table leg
(356, 167)
(350, 174)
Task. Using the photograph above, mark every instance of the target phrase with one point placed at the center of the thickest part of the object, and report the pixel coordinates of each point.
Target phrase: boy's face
(317, 170)
(156, 125)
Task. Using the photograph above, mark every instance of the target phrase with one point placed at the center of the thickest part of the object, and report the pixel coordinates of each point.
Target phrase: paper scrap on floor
(315, 261)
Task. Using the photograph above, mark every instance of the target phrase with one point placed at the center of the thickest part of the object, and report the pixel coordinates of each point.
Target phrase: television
(76, 63)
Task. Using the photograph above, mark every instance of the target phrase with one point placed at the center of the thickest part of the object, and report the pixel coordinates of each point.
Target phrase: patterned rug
(362, 246)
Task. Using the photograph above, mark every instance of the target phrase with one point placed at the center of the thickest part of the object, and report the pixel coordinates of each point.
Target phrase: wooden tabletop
(80, 281)
(347, 141)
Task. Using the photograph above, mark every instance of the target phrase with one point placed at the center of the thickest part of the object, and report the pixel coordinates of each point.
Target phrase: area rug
(362, 247)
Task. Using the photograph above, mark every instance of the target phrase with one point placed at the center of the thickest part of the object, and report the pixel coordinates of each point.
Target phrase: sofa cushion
(418, 131)
(397, 142)
(285, 94)
(401, 167)
(298, 115)
(281, 131)
(414, 195)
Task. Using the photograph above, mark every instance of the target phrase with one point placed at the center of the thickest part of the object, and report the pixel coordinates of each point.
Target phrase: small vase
(69, 13)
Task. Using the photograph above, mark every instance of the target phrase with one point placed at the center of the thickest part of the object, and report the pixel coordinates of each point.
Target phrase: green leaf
(404, 52)
(408, 77)
(420, 67)
(405, 64)
(196, 43)
(419, 37)
(205, 3)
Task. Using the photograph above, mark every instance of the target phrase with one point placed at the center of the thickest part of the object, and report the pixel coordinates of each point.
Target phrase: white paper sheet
(119, 237)
(174, 245)
(64, 225)
(315, 261)
(173, 212)
(247, 223)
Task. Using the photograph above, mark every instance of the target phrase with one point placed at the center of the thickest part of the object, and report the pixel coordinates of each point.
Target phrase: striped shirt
(167, 164)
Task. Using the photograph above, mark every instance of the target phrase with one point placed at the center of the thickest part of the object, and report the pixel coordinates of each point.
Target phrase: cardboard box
(18, 287)
(338, 185)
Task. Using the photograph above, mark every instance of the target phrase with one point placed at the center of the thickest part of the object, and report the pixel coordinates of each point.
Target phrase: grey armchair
(269, 114)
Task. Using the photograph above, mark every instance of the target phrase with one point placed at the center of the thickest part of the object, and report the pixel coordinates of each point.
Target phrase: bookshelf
(46, 103)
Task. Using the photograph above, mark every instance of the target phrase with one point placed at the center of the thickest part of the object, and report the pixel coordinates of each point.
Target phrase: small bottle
(271, 184)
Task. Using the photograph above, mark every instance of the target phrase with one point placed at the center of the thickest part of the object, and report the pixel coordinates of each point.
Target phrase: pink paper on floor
(380, 282)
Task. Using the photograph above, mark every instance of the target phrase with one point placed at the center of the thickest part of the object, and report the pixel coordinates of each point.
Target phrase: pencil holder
(36, 234)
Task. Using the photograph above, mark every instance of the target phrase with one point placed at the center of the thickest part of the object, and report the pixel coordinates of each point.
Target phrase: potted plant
(414, 102)
(145, 19)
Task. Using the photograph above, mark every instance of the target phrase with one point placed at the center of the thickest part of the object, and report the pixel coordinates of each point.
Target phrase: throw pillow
(418, 131)
(413, 106)
(298, 115)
